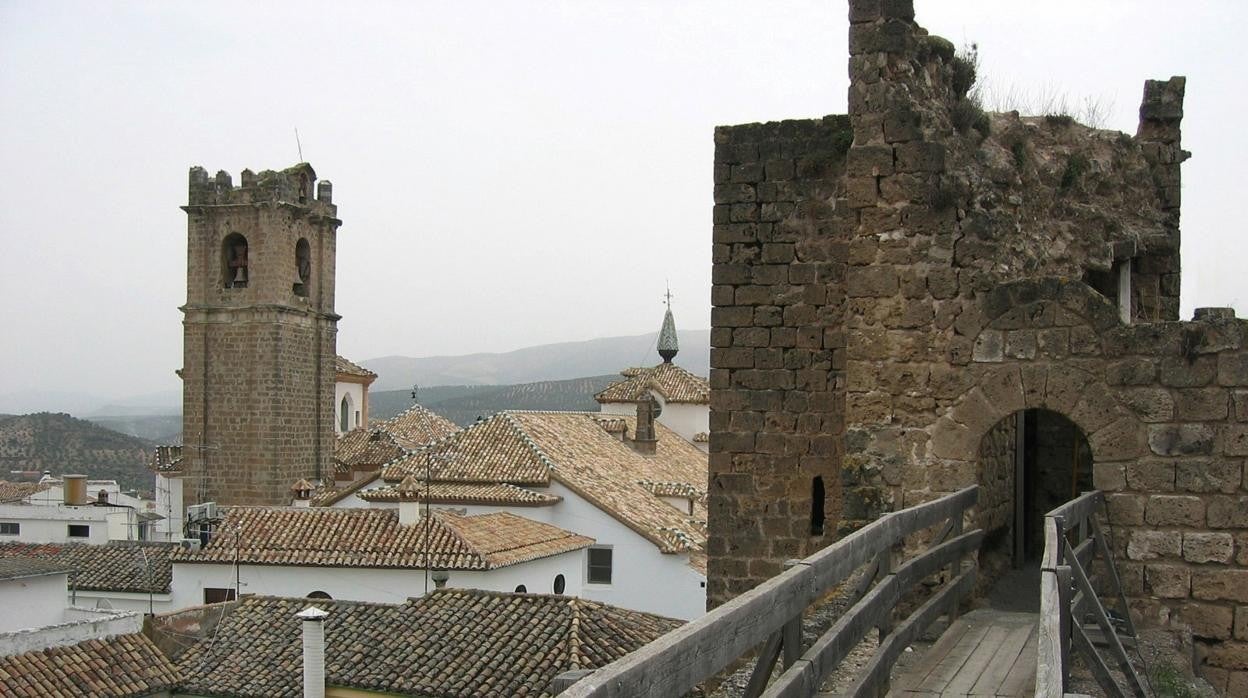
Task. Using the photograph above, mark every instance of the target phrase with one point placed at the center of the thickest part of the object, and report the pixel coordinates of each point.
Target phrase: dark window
(522, 589)
(79, 531)
(816, 506)
(303, 267)
(319, 595)
(10, 529)
(344, 425)
(599, 566)
(212, 595)
(559, 584)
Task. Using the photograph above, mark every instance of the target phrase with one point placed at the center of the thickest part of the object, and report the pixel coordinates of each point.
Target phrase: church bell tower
(259, 335)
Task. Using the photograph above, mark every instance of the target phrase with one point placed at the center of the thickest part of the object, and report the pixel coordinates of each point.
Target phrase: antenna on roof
(298, 144)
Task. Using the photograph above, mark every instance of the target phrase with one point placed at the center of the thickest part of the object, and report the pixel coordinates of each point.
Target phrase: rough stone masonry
(892, 285)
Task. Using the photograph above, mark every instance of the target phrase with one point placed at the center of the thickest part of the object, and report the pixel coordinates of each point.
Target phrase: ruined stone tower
(259, 333)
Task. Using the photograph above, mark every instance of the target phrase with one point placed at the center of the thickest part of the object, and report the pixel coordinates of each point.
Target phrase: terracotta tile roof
(492, 450)
(108, 567)
(320, 537)
(576, 450)
(417, 426)
(451, 643)
(17, 491)
(364, 449)
(123, 665)
(166, 459)
(20, 567)
(674, 383)
(350, 368)
(500, 493)
(608, 473)
(330, 493)
(674, 489)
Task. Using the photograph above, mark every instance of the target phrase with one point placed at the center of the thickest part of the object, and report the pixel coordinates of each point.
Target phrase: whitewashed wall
(369, 584)
(50, 524)
(685, 419)
(32, 602)
(169, 505)
(355, 395)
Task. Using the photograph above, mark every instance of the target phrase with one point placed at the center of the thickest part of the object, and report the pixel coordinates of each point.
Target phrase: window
(79, 531)
(303, 267)
(234, 261)
(9, 528)
(213, 595)
(599, 566)
(559, 584)
(816, 506)
(521, 589)
(344, 423)
(319, 595)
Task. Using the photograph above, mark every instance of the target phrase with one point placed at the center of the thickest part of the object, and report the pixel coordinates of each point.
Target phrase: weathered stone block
(1181, 439)
(1131, 371)
(1208, 547)
(1109, 477)
(869, 161)
(1207, 620)
(1228, 512)
(1175, 510)
(989, 347)
(1168, 581)
(872, 281)
(1083, 341)
(1233, 369)
(1118, 440)
(1020, 344)
(1004, 389)
(1149, 404)
(1234, 439)
(920, 156)
(1201, 404)
(1125, 509)
(1228, 655)
(1188, 372)
(1241, 623)
(1213, 475)
(1151, 475)
(1150, 545)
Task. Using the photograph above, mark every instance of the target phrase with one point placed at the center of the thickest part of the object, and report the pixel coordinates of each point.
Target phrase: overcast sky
(508, 173)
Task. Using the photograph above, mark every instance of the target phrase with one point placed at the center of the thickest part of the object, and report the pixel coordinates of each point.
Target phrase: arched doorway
(1029, 463)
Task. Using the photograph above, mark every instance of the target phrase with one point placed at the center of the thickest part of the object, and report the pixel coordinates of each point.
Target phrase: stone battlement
(294, 185)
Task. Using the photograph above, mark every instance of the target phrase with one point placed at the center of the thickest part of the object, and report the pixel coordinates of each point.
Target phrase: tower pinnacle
(667, 335)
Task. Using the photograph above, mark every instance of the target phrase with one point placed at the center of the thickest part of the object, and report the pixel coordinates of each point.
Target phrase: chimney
(74, 489)
(410, 492)
(644, 439)
(302, 492)
(313, 651)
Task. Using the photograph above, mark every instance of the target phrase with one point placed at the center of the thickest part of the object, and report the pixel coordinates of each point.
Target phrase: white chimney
(313, 651)
(409, 501)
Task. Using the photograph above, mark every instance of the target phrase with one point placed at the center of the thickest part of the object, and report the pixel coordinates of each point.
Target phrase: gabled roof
(486, 493)
(582, 451)
(492, 450)
(123, 665)
(346, 367)
(672, 382)
(166, 459)
(362, 449)
(23, 567)
(417, 426)
(451, 643)
(17, 491)
(108, 567)
(318, 537)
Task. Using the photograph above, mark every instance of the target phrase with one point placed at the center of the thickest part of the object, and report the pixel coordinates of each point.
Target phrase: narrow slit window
(816, 506)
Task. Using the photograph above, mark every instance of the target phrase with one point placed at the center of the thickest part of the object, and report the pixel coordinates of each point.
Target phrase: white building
(351, 396)
(375, 555)
(640, 494)
(74, 510)
(110, 576)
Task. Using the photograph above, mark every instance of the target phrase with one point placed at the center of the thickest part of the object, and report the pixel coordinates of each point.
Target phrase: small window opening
(303, 267)
(599, 570)
(234, 260)
(560, 584)
(101, 497)
(303, 189)
(816, 506)
(319, 595)
(78, 531)
(10, 528)
(521, 589)
(344, 418)
(357, 418)
(216, 595)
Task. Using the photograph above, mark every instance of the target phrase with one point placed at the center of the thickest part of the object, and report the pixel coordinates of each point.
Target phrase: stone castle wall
(259, 360)
(982, 260)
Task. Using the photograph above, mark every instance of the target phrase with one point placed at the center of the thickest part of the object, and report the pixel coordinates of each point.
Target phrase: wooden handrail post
(1064, 593)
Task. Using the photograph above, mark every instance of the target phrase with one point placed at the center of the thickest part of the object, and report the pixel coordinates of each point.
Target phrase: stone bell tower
(259, 335)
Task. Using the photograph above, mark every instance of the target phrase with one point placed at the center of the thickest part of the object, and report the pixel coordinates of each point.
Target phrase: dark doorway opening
(1029, 463)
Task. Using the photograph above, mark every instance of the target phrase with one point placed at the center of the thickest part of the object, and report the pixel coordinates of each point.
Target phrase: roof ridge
(528, 441)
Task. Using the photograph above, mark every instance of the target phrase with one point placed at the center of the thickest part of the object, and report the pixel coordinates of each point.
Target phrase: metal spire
(667, 335)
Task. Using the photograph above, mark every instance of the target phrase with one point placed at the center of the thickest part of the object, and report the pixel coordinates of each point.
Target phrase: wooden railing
(770, 615)
(1073, 538)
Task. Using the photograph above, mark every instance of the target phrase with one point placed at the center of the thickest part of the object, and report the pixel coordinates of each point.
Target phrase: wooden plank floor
(984, 653)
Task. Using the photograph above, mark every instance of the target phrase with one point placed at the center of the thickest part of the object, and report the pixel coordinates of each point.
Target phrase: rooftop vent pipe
(313, 651)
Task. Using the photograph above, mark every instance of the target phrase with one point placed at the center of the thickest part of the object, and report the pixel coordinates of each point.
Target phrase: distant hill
(463, 404)
(547, 362)
(63, 444)
(158, 428)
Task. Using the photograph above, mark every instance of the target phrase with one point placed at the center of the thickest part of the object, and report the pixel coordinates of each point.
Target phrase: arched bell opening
(1029, 463)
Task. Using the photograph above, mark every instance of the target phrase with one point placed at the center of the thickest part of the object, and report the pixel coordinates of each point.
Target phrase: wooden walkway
(984, 653)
